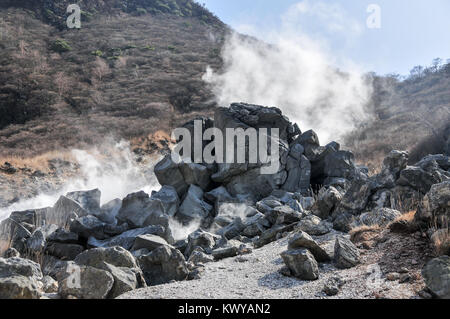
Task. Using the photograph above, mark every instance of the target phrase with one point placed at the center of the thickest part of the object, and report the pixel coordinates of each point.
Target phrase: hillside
(133, 68)
(411, 114)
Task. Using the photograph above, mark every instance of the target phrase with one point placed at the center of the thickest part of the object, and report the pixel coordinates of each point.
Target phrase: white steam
(112, 170)
(296, 74)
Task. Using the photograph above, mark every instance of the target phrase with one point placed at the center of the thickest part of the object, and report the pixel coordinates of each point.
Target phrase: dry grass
(39, 162)
(407, 217)
(358, 232)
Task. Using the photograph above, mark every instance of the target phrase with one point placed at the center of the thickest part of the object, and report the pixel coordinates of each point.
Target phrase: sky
(384, 36)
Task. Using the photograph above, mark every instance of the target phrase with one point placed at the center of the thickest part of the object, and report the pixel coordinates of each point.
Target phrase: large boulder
(163, 265)
(148, 242)
(116, 256)
(63, 251)
(314, 226)
(298, 175)
(193, 206)
(437, 276)
(127, 239)
(393, 164)
(168, 173)
(169, 199)
(301, 263)
(346, 254)
(88, 200)
(20, 279)
(196, 174)
(301, 239)
(435, 207)
(423, 178)
(327, 200)
(84, 282)
(200, 238)
(139, 210)
(64, 211)
(356, 198)
(88, 226)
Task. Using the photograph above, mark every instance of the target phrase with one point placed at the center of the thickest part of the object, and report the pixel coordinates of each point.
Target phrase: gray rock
(271, 234)
(125, 279)
(301, 239)
(19, 279)
(116, 256)
(163, 265)
(193, 206)
(231, 249)
(196, 174)
(356, 198)
(298, 175)
(346, 255)
(84, 282)
(393, 164)
(200, 238)
(327, 200)
(169, 199)
(49, 285)
(333, 286)
(301, 263)
(233, 229)
(437, 276)
(127, 239)
(381, 217)
(340, 164)
(36, 242)
(88, 226)
(64, 211)
(218, 194)
(63, 236)
(148, 242)
(168, 173)
(88, 200)
(314, 226)
(63, 251)
(442, 160)
(422, 179)
(109, 211)
(198, 256)
(435, 207)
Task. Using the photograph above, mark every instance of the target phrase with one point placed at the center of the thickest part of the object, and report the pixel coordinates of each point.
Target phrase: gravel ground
(257, 276)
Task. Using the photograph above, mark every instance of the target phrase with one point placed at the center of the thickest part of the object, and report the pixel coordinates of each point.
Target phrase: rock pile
(126, 244)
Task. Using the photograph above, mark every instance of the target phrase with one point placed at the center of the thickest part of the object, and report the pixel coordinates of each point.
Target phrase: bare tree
(62, 82)
(101, 69)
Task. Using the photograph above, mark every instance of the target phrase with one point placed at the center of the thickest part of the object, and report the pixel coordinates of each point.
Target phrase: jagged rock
(125, 279)
(63, 236)
(314, 226)
(163, 265)
(346, 255)
(301, 239)
(88, 200)
(200, 238)
(233, 229)
(298, 174)
(301, 263)
(310, 143)
(356, 198)
(148, 242)
(193, 206)
(19, 279)
(198, 256)
(393, 164)
(169, 199)
(381, 217)
(255, 225)
(168, 173)
(422, 179)
(63, 251)
(196, 174)
(435, 207)
(442, 160)
(271, 234)
(231, 249)
(219, 194)
(286, 215)
(127, 239)
(109, 211)
(437, 276)
(64, 211)
(36, 242)
(84, 282)
(328, 199)
(340, 164)
(88, 226)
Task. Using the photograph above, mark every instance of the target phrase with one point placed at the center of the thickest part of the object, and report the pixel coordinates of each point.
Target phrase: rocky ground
(258, 275)
(319, 226)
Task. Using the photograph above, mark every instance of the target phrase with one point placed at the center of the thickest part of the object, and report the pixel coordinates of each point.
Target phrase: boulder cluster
(88, 250)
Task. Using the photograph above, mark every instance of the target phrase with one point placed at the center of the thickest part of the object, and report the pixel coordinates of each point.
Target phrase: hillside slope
(133, 68)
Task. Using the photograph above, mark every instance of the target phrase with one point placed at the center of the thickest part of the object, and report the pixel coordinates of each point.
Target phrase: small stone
(404, 278)
(393, 276)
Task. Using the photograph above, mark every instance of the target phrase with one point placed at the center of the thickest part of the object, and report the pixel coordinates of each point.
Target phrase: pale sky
(411, 32)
